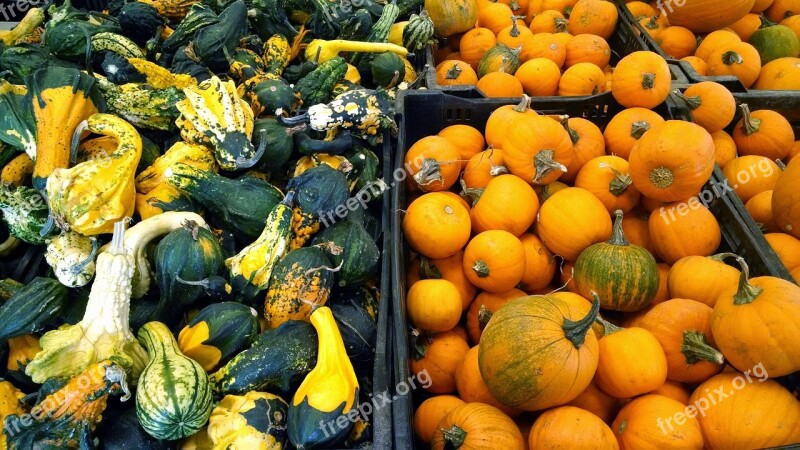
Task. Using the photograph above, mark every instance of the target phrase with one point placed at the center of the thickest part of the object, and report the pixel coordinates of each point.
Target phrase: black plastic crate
(424, 113)
(625, 40)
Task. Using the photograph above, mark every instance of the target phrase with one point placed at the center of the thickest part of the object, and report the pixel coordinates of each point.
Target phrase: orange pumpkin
(641, 79)
(500, 84)
(451, 17)
(597, 17)
(763, 132)
(571, 220)
(548, 21)
(632, 362)
(506, 203)
(494, 16)
(474, 426)
(742, 402)
(672, 161)
(499, 123)
(786, 247)
(780, 9)
(588, 48)
(701, 278)
(540, 264)
(467, 140)
(582, 79)
(654, 25)
(682, 229)
(786, 199)
(608, 179)
(640, 9)
(482, 308)
(436, 225)
(637, 231)
(699, 65)
(433, 305)
(626, 128)
(662, 294)
(714, 40)
(760, 209)
(674, 390)
(739, 59)
(538, 352)
(454, 73)
(683, 328)
(724, 147)
(475, 43)
(439, 355)
(537, 149)
(711, 104)
(433, 164)
(515, 34)
(650, 421)
(751, 175)
(677, 42)
(760, 5)
(587, 144)
(482, 168)
(564, 6)
(431, 412)
(746, 26)
(451, 269)
(539, 77)
(781, 74)
(494, 261)
(597, 402)
(544, 45)
(571, 427)
(704, 16)
(471, 387)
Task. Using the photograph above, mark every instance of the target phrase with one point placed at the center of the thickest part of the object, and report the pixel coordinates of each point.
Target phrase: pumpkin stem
(523, 104)
(481, 268)
(648, 80)
(608, 327)
(661, 177)
(652, 24)
(692, 102)
(721, 256)
(454, 437)
(576, 331)
(473, 193)
(747, 292)
(573, 135)
(419, 344)
(618, 235)
(695, 348)
(544, 163)
(454, 72)
(428, 270)
(781, 165)
(483, 317)
(429, 173)
(514, 28)
(118, 239)
(731, 57)
(620, 183)
(76, 141)
(514, 5)
(765, 22)
(750, 124)
(561, 24)
(638, 128)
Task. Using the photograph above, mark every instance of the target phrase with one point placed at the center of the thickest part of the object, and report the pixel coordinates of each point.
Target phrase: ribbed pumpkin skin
(173, 399)
(625, 276)
(786, 199)
(702, 16)
(526, 359)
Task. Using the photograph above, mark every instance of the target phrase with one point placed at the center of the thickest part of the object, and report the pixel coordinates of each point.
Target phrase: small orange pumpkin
(654, 25)
(672, 223)
(608, 179)
(648, 422)
(433, 305)
(626, 128)
(539, 77)
(436, 225)
(494, 261)
(763, 132)
(724, 147)
(474, 426)
(500, 84)
(714, 40)
(711, 104)
(467, 139)
(548, 21)
(494, 16)
(698, 64)
(440, 355)
(781, 9)
(597, 17)
(587, 144)
(781, 74)
(571, 427)
(431, 412)
(739, 59)
(454, 73)
(571, 220)
(582, 79)
(499, 123)
(451, 269)
(433, 164)
(751, 175)
(640, 9)
(677, 42)
(701, 278)
(587, 48)
(786, 247)
(481, 310)
(506, 203)
(537, 149)
(482, 168)
(641, 79)
(760, 208)
(515, 34)
(746, 26)
(632, 362)
(475, 43)
(540, 264)
(544, 45)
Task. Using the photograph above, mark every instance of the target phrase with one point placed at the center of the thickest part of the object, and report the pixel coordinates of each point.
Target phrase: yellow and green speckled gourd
(174, 399)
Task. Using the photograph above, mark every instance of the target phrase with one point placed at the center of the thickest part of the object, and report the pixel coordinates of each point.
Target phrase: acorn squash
(277, 140)
(218, 332)
(355, 253)
(355, 311)
(318, 191)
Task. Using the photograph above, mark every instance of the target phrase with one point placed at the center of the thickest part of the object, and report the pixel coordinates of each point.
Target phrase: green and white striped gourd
(419, 32)
(174, 397)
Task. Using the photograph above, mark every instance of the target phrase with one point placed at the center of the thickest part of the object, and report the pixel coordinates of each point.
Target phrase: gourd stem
(561, 25)
(765, 22)
(750, 124)
(454, 72)
(692, 102)
(576, 331)
(428, 270)
(573, 135)
(620, 183)
(246, 163)
(473, 193)
(429, 173)
(695, 348)
(721, 256)
(481, 268)
(731, 57)
(544, 163)
(454, 437)
(419, 343)
(118, 240)
(747, 292)
(514, 28)
(522, 106)
(648, 80)
(484, 315)
(291, 121)
(76, 141)
(618, 235)
(608, 327)
(202, 283)
(639, 128)
(78, 268)
(781, 165)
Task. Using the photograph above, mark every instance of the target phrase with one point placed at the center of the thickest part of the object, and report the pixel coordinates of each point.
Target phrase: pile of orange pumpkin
(564, 292)
(541, 47)
(757, 41)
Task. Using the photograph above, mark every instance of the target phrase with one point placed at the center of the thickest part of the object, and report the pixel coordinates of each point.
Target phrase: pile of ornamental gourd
(166, 170)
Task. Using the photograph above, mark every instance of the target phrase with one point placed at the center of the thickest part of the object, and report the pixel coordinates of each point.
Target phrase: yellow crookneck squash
(328, 392)
(91, 196)
(255, 420)
(10, 403)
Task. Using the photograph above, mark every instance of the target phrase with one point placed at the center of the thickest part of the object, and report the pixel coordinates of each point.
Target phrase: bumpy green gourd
(26, 213)
(317, 86)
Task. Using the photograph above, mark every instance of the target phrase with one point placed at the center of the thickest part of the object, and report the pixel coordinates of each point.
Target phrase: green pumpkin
(776, 41)
(318, 192)
(352, 248)
(278, 143)
(624, 276)
(353, 310)
(328, 392)
(388, 70)
(215, 43)
(140, 21)
(255, 418)
(32, 308)
(509, 57)
(173, 399)
(218, 333)
(277, 361)
(269, 95)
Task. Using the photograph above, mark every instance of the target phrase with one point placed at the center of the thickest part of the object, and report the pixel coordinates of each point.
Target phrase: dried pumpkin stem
(695, 348)
(721, 256)
(576, 331)
(750, 124)
(639, 128)
(573, 135)
(747, 292)
(648, 80)
(454, 437)
(662, 177)
(618, 235)
(608, 327)
(692, 102)
(523, 104)
(454, 72)
(429, 173)
(561, 24)
(620, 183)
(484, 315)
(514, 28)
(428, 270)
(731, 57)
(544, 162)
(481, 268)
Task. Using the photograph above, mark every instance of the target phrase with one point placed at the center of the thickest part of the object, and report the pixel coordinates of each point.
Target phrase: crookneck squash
(174, 399)
(329, 391)
(252, 420)
(218, 332)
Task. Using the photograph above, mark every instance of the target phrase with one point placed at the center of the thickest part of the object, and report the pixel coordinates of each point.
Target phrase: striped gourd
(380, 32)
(116, 43)
(500, 58)
(419, 32)
(174, 398)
